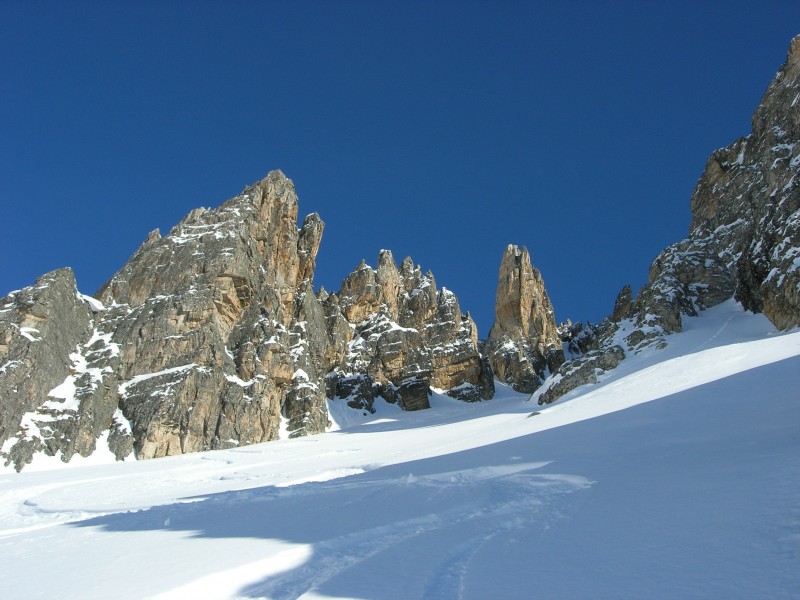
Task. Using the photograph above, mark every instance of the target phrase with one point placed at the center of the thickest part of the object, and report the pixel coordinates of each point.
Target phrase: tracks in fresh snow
(462, 510)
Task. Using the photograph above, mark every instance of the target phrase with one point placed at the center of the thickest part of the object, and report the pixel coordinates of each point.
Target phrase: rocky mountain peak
(209, 328)
(744, 241)
(745, 206)
(522, 308)
(524, 343)
(53, 361)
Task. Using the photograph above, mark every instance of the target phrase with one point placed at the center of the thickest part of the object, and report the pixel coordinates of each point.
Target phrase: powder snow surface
(677, 476)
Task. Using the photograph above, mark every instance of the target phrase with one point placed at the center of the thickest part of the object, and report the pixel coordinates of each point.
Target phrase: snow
(300, 374)
(93, 303)
(239, 381)
(101, 456)
(10, 364)
(99, 336)
(65, 392)
(181, 370)
(677, 476)
(183, 233)
(123, 423)
(29, 333)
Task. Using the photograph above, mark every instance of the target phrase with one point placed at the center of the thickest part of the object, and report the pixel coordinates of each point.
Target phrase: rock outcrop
(212, 337)
(407, 336)
(748, 202)
(744, 240)
(524, 344)
(210, 320)
(209, 337)
(581, 371)
(55, 372)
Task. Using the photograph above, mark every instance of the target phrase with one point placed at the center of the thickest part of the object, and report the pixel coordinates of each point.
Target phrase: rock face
(745, 232)
(405, 337)
(212, 337)
(748, 202)
(524, 342)
(581, 371)
(744, 239)
(210, 321)
(209, 337)
(55, 374)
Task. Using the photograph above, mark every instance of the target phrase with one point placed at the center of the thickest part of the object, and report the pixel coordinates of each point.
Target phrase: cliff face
(209, 320)
(54, 367)
(212, 337)
(524, 344)
(744, 241)
(748, 198)
(199, 342)
(405, 337)
(744, 237)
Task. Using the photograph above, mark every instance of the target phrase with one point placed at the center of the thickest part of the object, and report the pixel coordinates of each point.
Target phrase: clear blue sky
(439, 130)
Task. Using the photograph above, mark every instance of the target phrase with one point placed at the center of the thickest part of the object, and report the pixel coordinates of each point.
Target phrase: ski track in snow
(662, 481)
(346, 552)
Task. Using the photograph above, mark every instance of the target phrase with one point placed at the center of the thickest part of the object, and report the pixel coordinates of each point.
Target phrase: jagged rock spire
(522, 307)
(209, 330)
(523, 343)
(212, 337)
(409, 336)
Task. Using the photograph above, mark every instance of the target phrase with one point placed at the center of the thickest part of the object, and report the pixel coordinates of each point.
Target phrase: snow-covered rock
(406, 336)
(744, 239)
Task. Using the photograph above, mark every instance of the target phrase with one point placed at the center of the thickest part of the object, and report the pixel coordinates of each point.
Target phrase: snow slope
(678, 476)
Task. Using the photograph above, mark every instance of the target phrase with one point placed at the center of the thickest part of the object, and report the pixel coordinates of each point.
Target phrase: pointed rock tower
(524, 343)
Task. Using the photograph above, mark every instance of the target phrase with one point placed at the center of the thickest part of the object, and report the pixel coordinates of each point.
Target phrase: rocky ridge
(744, 241)
(55, 364)
(407, 336)
(213, 337)
(203, 338)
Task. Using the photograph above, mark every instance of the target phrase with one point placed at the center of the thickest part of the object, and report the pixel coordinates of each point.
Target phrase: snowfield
(677, 476)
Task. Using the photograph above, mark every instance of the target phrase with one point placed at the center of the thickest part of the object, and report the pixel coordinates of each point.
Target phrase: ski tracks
(467, 509)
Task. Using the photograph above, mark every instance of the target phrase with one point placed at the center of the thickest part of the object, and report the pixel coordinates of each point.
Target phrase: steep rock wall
(524, 344)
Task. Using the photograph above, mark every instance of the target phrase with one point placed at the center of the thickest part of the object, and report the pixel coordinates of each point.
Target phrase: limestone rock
(744, 236)
(205, 339)
(212, 337)
(408, 336)
(581, 371)
(54, 373)
(744, 239)
(524, 343)
(747, 202)
(219, 330)
(522, 308)
(623, 305)
(686, 278)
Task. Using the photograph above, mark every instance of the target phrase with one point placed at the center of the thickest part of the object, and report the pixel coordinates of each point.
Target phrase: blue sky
(439, 130)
